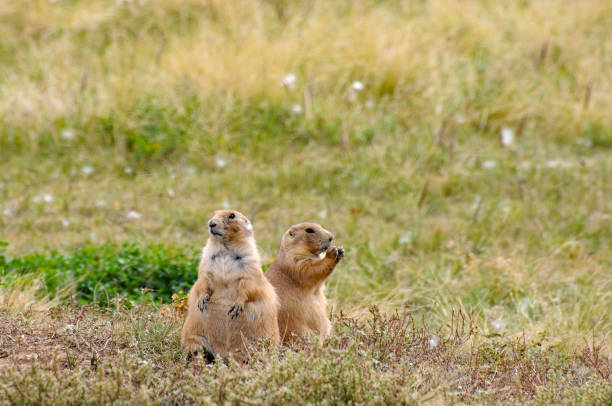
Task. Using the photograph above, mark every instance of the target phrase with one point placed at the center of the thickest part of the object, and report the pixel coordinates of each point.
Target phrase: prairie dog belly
(230, 303)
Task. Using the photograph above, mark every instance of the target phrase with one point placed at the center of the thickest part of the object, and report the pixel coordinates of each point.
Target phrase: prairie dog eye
(309, 230)
(232, 216)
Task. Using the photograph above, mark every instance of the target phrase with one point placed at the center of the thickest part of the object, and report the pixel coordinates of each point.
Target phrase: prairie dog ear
(291, 234)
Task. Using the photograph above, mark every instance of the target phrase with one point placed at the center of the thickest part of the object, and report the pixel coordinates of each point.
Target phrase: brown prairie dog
(232, 302)
(298, 274)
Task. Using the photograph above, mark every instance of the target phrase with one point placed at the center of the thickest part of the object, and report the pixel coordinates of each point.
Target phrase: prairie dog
(298, 274)
(232, 302)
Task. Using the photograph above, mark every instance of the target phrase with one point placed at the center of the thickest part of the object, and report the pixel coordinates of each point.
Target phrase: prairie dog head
(230, 226)
(308, 239)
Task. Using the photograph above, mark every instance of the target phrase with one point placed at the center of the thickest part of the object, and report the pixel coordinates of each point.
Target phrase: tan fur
(298, 274)
(231, 303)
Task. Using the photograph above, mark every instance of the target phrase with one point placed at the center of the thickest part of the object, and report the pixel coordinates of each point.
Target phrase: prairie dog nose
(212, 224)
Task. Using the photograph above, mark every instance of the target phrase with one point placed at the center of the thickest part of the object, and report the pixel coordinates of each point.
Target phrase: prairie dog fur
(298, 274)
(232, 302)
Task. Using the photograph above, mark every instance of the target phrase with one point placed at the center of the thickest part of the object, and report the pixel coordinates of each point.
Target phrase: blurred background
(459, 150)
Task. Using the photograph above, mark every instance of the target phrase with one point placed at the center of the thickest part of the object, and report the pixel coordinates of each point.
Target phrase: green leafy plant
(100, 273)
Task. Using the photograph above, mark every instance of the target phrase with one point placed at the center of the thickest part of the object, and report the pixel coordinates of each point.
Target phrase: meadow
(460, 151)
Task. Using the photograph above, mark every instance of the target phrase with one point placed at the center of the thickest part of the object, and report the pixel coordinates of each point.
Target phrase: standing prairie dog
(232, 302)
(298, 274)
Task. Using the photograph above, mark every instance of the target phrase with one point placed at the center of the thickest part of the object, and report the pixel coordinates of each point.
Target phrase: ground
(96, 356)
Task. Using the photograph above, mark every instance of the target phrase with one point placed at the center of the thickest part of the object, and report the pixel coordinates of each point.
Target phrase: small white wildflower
(524, 165)
(369, 104)
(170, 192)
(297, 109)
(67, 134)
(87, 170)
(357, 86)
(497, 324)
(7, 212)
(70, 327)
(554, 163)
(221, 163)
(225, 205)
(507, 136)
(289, 81)
(48, 197)
(405, 239)
(525, 305)
(557, 163)
(128, 170)
(489, 164)
(477, 202)
(100, 203)
(65, 222)
(133, 215)
(434, 340)
(459, 119)
(438, 109)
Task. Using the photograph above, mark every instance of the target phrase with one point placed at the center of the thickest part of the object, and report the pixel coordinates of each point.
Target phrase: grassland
(461, 151)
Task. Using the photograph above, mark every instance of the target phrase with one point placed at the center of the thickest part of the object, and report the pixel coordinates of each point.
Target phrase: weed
(97, 274)
(381, 358)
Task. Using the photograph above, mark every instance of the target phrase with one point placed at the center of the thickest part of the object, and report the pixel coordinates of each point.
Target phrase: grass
(91, 355)
(99, 274)
(125, 124)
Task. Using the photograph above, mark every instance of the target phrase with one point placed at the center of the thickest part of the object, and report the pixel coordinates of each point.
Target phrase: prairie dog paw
(196, 349)
(337, 253)
(340, 251)
(203, 303)
(235, 311)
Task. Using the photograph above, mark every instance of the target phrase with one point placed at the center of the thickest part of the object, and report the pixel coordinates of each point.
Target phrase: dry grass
(93, 356)
(537, 63)
(23, 297)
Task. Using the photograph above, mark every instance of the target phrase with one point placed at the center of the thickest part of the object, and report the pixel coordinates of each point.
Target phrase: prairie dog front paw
(203, 303)
(336, 253)
(235, 310)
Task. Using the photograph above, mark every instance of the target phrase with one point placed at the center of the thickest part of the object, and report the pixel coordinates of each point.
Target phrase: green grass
(99, 274)
(124, 125)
